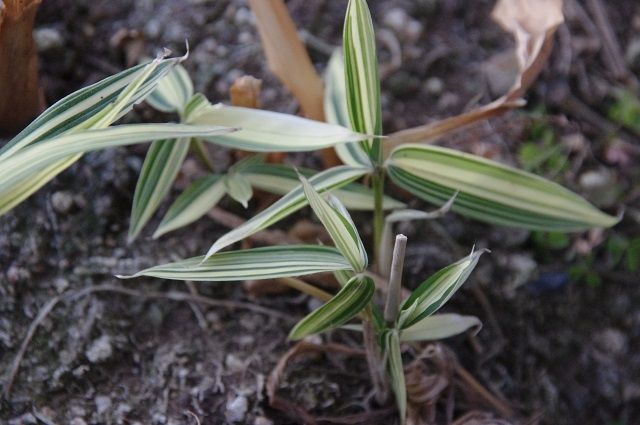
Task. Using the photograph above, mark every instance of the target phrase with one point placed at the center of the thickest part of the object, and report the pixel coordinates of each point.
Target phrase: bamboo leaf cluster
(466, 184)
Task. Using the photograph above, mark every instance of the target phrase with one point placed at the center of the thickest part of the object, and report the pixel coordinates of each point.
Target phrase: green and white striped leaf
(491, 192)
(330, 179)
(198, 104)
(82, 106)
(239, 188)
(361, 75)
(343, 276)
(193, 203)
(26, 187)
(396, 371)
(31, 159)
(159, 170)
(250, 264)
(437, 290)
(439, 326)
(281, 179)
(336, 110)
(173, 91)
(17, 170)
(265, 131)
(344, 306)
(336, 219)
(103, 103)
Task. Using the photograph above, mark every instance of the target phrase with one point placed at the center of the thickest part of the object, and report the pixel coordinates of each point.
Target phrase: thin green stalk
(378, 212)
(306, 288)
(201, 151)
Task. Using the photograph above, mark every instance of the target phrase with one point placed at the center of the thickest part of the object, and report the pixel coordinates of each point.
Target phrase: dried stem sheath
(395, 281)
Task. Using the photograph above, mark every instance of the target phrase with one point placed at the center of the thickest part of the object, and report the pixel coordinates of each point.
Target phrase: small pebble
(47, 39)
(245, 38)
(100, 349)
(406, 27)
(314, 304)
(61, 284)
(122, 410)
(103, 403)
(237, 409)
(159, 418)
(600, 186)
(62, 201)
(243, 16)
(261, 420)
(234, 363)
(434, 85)
(610, 341)
(523, 267)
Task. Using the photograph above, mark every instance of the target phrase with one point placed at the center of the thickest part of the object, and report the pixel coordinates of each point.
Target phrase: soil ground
(561, 317)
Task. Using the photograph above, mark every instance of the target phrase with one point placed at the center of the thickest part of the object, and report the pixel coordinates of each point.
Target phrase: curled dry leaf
(20, 92)
(532, 23)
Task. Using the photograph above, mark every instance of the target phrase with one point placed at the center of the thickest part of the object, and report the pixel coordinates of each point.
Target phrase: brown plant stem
(375, 363)
(20, 96)
(288, 59)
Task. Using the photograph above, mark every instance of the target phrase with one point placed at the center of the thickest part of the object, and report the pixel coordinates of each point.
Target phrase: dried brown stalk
(611, 50)
(287, 57)
(289, 61)
(20, 95)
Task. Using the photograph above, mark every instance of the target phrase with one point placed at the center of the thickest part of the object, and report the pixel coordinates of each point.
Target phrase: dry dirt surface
(561, 332)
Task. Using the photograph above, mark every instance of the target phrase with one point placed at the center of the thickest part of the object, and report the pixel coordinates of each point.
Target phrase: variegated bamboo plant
(467, 184)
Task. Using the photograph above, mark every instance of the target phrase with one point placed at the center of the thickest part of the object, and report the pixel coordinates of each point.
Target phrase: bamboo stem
(395, 281)
(375, 363)
(378, 212)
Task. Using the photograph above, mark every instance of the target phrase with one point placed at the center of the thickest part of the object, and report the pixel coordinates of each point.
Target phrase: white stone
(103, 403)
(100, 349)
(237, 409)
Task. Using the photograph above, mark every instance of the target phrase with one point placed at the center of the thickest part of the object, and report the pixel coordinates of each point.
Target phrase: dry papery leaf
(20, 96)
(532, 23)
(285, 52)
